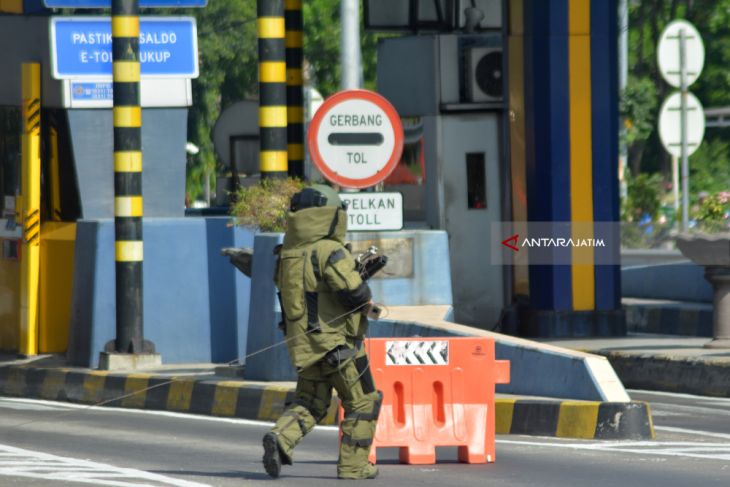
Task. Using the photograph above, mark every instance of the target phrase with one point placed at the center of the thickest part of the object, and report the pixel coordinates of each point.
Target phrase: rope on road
(232, 362)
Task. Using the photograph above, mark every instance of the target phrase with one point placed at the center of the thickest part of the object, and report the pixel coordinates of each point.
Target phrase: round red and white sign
(356, 139)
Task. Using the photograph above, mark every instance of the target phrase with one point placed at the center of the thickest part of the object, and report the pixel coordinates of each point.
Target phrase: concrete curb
(668, 317)
(575, 419)
(685, 375)
(239, 399)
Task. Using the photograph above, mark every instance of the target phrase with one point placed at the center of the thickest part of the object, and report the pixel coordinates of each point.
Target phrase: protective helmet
(315, 196)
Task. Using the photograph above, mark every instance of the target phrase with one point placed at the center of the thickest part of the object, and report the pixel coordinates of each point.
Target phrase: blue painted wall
(195, 302)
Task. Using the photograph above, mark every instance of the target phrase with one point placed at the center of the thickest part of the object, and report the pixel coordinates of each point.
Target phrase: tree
(647, 19)
(228, 73)
(229, 66)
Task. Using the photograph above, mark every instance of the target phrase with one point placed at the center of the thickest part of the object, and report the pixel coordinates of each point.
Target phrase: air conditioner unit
(484, 74)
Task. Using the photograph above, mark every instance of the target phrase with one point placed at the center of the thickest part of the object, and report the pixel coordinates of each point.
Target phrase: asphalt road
(56, 444)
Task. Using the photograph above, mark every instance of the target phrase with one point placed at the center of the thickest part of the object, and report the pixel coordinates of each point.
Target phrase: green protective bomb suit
(323, 298)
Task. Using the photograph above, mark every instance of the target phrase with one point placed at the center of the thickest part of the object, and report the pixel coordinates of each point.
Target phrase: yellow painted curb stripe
(272, 117)
(577, 419)
(128, 161)
(296, 152)
(129, 251)
(503, 411)
(272, 72)
(331, 417)
(125, 26)
(294, 39)
(126, 71)
(270, 27)
(179, 395)
(53, 383)
(272, 161)
(127, 117)
(651, 420)
(295, 114)
(225, 398)
(272, 402)
(135, 384)
(93, 386)
(294, 77)
(128, 206)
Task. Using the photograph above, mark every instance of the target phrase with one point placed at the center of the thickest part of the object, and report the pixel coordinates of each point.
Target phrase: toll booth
(76, 284)
(451, 87)
(517, 103)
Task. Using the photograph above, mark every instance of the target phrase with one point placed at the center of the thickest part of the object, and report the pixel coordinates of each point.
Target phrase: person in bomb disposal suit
(324, 301)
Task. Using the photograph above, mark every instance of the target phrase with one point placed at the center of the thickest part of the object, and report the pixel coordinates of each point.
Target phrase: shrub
(712, 215)
(643, 198)
(264, 206)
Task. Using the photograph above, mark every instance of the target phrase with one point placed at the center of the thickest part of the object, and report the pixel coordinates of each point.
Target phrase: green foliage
(322, 46)
(229, 67)
(264, 206)
(710, 168)
(643, 197)
(647, 19)
(638, 106)
(713, 212)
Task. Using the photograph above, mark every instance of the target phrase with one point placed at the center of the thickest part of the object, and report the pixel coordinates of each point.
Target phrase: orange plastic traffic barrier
(436, 392)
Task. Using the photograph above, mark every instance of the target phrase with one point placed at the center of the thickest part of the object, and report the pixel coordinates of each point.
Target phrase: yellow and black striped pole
(294, 89)
(272, 89)
(127, 176)
(30, 208)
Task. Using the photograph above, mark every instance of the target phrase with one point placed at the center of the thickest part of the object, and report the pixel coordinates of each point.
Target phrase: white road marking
(672, 429)
(169, 414)
(716, 451)
(684, 396)
(28, 406)
(38, 465)
(690, 409)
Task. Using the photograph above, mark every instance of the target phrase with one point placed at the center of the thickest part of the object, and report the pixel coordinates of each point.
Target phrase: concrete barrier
(681, 281)
(537, 369)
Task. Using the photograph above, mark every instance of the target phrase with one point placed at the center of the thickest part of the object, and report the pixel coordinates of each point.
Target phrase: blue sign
(108, 3)
(82, 47)
(84, 91)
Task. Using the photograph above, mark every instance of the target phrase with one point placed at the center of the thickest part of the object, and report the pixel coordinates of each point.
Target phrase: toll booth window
(409, 176)
(476, 181)
(9, 159)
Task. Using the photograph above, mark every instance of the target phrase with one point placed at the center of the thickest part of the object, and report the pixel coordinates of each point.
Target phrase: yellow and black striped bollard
(272, 89)
(127, 176)
(294, 82)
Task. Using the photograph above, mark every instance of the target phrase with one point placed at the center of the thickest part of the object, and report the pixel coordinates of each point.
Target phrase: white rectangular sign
(373, 211)
(401, 352)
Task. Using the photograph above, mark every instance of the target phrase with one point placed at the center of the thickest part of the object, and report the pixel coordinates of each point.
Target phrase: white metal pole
(623, 80)
(683, 124)
(675, 185)
(350, 55)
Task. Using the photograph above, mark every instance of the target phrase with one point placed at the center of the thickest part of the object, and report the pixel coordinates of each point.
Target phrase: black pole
(294, 87)
(273, 157)
(128, 207)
